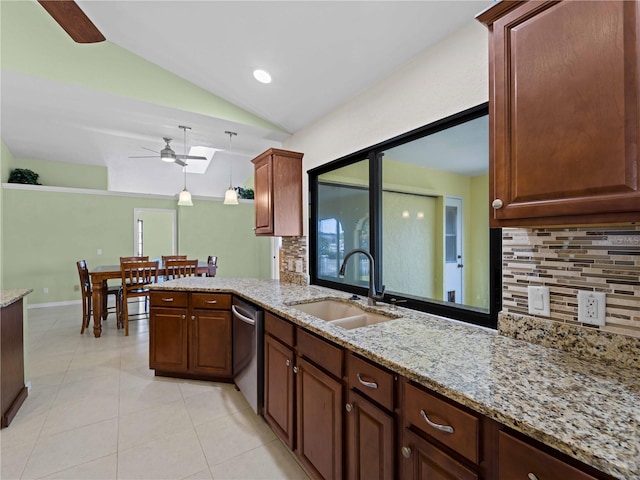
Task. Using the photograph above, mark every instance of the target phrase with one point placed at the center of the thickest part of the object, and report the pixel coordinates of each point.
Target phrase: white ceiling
(320, 55)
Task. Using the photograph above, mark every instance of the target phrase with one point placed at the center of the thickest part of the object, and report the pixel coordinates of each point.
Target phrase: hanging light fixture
(184, 200)
(230, 196)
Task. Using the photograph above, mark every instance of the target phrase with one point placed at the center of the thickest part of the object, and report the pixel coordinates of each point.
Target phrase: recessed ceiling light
(262, 76)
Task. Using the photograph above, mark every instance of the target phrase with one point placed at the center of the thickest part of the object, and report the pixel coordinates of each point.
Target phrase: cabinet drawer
(517, 459)
(168, 299)
(371, 380)
(279, 328)
(321, 352)
(432, 416)
(216, 301)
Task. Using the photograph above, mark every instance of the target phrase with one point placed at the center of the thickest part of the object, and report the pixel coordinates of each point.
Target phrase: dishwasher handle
(237, 314)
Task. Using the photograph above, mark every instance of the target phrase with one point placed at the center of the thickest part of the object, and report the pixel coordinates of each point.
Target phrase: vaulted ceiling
(170, 63)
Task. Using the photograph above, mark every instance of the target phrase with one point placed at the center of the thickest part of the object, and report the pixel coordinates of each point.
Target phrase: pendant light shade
(230, 196)
(184, 200)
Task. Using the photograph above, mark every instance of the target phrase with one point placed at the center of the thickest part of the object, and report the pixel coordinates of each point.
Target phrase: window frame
(463, 313)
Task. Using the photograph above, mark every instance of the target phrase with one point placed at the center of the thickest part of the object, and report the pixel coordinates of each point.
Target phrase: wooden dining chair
(172, 257)
(86, 291)
(139, 258)
(212, 264)
(180, 268)
(136, 278)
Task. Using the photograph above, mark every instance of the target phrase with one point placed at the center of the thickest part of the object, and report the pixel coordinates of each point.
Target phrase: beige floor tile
(267, 462)
(101, 469)
(97, 386)
(156, 392)
(203, 475)
(233, 435)
(13, 459)
(136, 378)
(190, 388)
(178, 456)
(86, 411)
(152, 424)
(221, 400)
(69, 449)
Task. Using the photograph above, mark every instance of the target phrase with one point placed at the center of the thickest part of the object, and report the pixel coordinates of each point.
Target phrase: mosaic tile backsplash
(293, 257)
(601, 259)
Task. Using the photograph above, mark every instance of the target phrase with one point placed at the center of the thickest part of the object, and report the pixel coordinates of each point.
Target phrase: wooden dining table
(101, 274)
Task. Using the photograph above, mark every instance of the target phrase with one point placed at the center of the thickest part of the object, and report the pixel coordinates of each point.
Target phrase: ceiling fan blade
(180, 162)
(151, 150)
(146, 156)
(73, 20)
(190, 157)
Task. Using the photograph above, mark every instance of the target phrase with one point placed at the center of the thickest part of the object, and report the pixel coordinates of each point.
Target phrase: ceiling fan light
(231, 197)
(167, 155)
(184, 200)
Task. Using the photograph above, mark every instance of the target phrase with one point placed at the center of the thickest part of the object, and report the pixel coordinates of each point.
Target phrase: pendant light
(230, 196)
(184, 200)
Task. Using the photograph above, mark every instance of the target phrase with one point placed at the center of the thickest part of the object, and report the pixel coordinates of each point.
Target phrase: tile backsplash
(601, 259)
(293, 260)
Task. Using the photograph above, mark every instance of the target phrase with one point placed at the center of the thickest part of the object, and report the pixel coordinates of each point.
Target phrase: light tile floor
(96, 411)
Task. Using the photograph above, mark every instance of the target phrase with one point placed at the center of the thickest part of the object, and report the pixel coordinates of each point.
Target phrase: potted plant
(23, 175)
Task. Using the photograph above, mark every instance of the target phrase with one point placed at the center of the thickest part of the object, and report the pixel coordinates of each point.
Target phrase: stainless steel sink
(342, 314)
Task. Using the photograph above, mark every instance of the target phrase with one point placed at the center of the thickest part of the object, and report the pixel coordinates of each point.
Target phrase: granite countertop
(7, 297)
(586, 409)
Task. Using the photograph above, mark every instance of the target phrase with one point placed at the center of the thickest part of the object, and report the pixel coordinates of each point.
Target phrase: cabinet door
(421, 460)
(168, 339)
(279, 389)
(319, 414)
(564, 113)
(210, 343)
(369, 439)
(263, 180)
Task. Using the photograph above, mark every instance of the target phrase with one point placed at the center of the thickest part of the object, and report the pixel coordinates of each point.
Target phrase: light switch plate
(591, 307)
(539, 301)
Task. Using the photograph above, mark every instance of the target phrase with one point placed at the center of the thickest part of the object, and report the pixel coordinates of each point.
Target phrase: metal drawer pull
(167, 299)
(406, 452)
(288, 362)
(532, 476)
(348, 407)
(193, 317)
(365, 383)
(437, 426)
(295, 369)
(211, 302)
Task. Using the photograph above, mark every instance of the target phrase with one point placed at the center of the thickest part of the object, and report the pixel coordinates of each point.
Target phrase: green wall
(157, 230)
(44, 232)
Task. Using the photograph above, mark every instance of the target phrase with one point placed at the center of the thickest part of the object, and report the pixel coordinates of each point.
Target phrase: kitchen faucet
(373, 297)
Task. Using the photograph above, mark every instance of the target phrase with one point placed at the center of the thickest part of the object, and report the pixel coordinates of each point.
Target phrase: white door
(453, 261)
(154, 232)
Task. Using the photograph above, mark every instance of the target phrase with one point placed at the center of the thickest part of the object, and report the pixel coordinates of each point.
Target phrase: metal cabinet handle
(497, 204)
(184, 316)
(288, 362)
(193, 317)
(406, 452)
(295, 369)
(365, 383)
(532, 476)
(211, 302)
(348, 407)
(437, 426)
(170, 299)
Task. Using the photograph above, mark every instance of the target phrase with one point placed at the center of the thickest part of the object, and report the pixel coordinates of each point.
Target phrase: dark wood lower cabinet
(319, 420)
(369, 440)
(168, 339)
(279, 396)
(211, 346)
(421, 460)
(12, 389)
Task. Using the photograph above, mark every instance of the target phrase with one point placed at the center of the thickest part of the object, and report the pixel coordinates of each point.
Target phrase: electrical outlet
(539, 301)
(299, 266)
(45, 290)
(99, 251)
(76, 288)
(591, 307)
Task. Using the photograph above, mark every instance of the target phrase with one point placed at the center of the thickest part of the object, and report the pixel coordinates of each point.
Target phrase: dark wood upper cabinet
(564, 112)
(278, 193)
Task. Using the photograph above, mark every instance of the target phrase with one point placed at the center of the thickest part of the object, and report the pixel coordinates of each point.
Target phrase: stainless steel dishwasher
(248, 346)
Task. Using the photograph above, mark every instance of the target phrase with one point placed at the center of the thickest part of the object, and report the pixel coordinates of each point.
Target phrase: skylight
(200, 166)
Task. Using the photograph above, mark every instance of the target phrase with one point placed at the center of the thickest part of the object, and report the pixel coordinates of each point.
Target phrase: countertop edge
(7, 297)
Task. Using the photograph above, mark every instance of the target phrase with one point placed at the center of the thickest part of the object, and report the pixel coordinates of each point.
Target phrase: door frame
(174, 227)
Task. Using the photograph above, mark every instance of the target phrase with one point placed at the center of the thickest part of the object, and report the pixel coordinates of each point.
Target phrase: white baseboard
(54, 304)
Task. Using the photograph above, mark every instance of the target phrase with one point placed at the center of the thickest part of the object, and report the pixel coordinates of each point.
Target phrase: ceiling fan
(73, 20)
(168, 155)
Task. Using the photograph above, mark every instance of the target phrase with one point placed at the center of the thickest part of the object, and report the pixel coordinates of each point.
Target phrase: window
(419, 203)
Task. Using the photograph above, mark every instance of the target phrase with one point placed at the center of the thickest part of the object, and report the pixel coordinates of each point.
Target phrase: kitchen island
(12, 391)
(585, 409)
